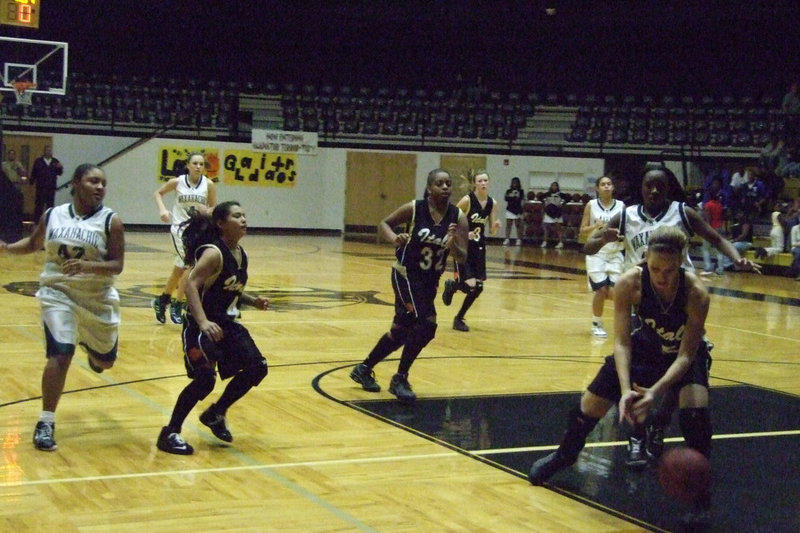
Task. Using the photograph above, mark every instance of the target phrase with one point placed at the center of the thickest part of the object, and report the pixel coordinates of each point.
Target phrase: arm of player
(494, 220)
(600, 238)
(459, 237)
(259, 302)
(29, 244)
(158, 196)
(587, 229)
(627, 292)
(207, 268)
(212, 197)
(401, 215)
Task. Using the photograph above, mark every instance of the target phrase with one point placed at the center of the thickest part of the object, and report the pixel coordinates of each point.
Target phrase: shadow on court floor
(755, 453)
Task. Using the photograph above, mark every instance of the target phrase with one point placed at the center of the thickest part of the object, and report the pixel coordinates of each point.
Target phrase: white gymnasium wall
(315, 202)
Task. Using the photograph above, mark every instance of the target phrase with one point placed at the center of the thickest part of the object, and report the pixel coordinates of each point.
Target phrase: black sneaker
(544, 468)
(217, 424)
(654, 442)
(460, 325)
(637, 458)
(171, 442)
(364, 375)
(160, 307)
(43, 436)
(400, 387)
(176, 312)
(449, 291)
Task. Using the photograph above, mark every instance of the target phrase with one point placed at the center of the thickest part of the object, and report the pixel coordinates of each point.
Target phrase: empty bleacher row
(455, 114)
(402, 112)
(136, 101)
(744, 122)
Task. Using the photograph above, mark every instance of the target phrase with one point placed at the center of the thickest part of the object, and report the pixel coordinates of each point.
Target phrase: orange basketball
(684, 473)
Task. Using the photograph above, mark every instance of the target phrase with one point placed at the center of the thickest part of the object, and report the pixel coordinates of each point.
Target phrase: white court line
(549, 447)
(364, 460)
(276, 466)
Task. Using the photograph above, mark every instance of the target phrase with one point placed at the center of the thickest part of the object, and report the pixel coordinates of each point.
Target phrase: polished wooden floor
(300, 460)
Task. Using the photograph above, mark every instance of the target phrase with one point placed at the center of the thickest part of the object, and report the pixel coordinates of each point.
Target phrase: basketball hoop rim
(22, 86)
(21, 93)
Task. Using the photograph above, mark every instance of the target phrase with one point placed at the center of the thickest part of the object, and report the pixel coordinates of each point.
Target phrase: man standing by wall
(44, 174)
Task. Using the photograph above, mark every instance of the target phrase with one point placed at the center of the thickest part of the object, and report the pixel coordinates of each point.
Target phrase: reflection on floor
(756, 444)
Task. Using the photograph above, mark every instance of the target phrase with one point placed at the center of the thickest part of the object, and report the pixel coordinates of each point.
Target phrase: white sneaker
(519, 242)
(598, 331)
(559, 245)
(506, 242)
(544, 244)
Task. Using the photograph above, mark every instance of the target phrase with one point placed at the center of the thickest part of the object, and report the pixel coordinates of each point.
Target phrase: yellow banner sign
(172, 162)
(245, 167)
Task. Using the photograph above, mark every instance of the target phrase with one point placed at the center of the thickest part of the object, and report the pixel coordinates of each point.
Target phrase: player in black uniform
(435, 228)
(481, 210)
(211, 337)
(665, 352)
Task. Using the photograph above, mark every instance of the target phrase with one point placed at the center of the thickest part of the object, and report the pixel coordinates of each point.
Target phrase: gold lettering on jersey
(476, 218)
(666, 335)
(232, 284)
(425, 237)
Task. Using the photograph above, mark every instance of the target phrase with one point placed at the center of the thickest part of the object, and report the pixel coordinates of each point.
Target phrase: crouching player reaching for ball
(211, 337)
(665, 353)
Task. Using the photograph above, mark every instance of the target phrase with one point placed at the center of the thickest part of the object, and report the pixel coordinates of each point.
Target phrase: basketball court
(314, 452)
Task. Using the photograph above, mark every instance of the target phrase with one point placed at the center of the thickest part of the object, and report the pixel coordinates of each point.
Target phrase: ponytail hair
(200, 230)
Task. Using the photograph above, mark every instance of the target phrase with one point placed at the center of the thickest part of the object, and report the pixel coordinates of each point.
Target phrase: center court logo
(281, 298)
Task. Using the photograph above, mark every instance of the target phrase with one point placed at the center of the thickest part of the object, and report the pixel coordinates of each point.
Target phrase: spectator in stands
(14, 170)
(554, 201)
(514, 198)
(741, 237)
(788, 165)
(739, 178)
(754, 194)
(794, 237)
(792, 217)
(712, 210)
(791, 106)
(772, 154)
(45, 173)
(776, 234)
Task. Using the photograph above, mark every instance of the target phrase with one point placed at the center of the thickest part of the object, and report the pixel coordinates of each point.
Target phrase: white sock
(47, 416)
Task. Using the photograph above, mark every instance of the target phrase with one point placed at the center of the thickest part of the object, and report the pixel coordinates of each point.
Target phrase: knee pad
(696, 428)
(256, 372)
(203, 382)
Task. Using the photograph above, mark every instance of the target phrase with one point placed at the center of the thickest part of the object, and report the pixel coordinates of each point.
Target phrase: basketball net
(21, 92)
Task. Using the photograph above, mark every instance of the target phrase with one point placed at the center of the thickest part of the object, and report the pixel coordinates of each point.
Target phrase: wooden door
(460, 167)
(376, 184)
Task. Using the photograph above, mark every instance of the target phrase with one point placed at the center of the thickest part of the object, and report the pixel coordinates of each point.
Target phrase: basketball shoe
(171, 442)
(43, 436)
(364, 375)
(400, 387)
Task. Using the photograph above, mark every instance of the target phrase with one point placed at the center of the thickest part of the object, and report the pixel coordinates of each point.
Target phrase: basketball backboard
(43, 63)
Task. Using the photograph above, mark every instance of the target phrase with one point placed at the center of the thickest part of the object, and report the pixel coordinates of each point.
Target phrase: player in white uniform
(633, 226)
(194, 192)
(604, 267)
(84, 246)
